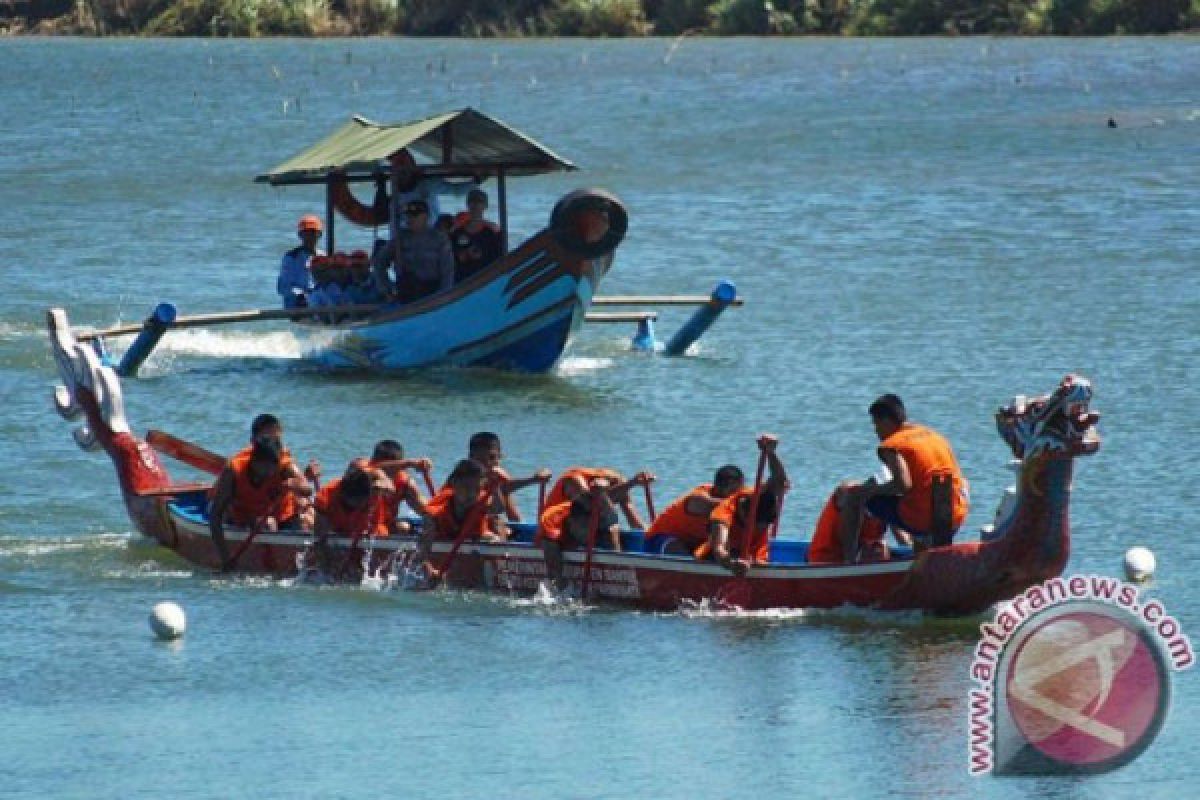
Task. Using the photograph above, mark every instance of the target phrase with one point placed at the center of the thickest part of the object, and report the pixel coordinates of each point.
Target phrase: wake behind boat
(1030, 542)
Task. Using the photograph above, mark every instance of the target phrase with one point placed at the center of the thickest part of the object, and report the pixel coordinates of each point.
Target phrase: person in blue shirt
(295, 279)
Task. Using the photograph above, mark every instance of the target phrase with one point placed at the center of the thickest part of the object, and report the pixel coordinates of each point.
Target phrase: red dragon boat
(1030, 542)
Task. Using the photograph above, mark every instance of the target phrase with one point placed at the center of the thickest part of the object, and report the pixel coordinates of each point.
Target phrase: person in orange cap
(295, 279)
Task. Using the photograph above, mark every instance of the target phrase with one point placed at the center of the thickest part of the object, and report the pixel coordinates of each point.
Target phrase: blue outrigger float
(518, 314)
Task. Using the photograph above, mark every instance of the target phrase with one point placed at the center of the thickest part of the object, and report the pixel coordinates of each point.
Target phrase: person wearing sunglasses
(421, 256)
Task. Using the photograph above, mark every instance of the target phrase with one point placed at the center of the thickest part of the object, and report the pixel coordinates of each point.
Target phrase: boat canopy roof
(463, 142)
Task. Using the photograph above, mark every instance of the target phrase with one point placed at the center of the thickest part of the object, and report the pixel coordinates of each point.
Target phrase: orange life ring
(359, 213)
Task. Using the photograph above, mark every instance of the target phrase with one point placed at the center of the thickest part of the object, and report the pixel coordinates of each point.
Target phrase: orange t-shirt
(676, 520)
(927, 454)
(387, 505)
(826, 546)
(726, 513)
(250, 502)
(589, 474)
(441, 509)
(350, 521)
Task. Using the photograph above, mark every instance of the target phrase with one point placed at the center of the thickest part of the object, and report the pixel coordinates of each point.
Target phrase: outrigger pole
(165, 317)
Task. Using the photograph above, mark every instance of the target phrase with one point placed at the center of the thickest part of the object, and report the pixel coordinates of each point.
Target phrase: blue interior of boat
(192, 506)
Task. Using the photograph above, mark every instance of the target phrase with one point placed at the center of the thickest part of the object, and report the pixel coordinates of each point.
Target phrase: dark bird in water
(1112, 123)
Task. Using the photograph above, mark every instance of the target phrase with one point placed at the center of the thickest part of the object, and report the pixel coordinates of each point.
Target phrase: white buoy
(168, 621)
(1139, 564)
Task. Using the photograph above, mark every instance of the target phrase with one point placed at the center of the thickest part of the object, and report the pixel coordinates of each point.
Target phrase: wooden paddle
(185, 451)
(751, 533)
(231, 317)
(476, 511)
(255, 530)
(356, 538)
(429, 482)
(593, 524)
(650, 502)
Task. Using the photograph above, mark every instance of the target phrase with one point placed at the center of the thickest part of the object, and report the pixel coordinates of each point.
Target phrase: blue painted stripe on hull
(538, 352)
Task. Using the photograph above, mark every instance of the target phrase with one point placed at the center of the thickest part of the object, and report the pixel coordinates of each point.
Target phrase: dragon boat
(519, 313)
(1029, 543)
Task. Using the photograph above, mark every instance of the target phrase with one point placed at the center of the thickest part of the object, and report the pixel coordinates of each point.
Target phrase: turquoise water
(949, 219)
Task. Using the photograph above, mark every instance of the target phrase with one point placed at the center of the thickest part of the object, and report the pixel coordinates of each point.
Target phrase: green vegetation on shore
(479, 18)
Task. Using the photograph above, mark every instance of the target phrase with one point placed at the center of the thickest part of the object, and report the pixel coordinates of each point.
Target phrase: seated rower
(388, 459)
(564, 526)
(269, 425)
(344, 505)
(484, 447)
(460, 508)
(255, 491)
(348, 507)
(923, 494)
(618, 489)
(731, 543)
(826, 545)
(686, 519)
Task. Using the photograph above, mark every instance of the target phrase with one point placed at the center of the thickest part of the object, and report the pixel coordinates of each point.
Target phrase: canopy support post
(329, 216)
(502, 201)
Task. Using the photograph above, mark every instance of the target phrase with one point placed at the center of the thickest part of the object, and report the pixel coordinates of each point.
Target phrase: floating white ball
(1139, 564)
(168, 621)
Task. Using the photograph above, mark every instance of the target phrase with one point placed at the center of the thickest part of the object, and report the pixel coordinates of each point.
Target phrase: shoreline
(586, 19)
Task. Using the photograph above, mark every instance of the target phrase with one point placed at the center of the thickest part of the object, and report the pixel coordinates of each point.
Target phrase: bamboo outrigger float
(519, 313)
(1030, 542)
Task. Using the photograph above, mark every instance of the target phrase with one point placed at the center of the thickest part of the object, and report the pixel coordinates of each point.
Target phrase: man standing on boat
(926, 495)
(295, 279)
(421, 255)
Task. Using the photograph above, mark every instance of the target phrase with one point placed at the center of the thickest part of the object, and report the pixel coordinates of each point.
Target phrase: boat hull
(638, 579)
(518, 314)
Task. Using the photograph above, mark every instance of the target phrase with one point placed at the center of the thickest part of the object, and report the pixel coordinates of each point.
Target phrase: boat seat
(788, 551)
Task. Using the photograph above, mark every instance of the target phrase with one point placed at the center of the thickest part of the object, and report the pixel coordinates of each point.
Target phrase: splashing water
(578, 365)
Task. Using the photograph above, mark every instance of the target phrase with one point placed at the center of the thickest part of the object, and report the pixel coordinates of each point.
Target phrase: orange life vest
(550, 526)
(441, 508)
(676, 520)
(927, 454)
(342, 519)
(589, 474)
(826, 546)
(726, 513)
(387, 505)
(253, 502)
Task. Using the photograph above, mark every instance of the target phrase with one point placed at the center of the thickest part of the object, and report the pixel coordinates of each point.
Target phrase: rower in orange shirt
(388, 459)
(826, 545)
(729, 542)
(461, 508)
(916, 457)
(269, 425)
(484, 447)
(344, 505)
(686, 519)
(618, 489)
(564, 526)
(255, 491)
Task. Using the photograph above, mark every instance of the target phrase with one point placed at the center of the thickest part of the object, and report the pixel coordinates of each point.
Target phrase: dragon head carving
(1056, 424)
(88, 386)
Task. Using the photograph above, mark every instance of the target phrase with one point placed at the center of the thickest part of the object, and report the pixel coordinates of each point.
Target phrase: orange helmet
(309, 222)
